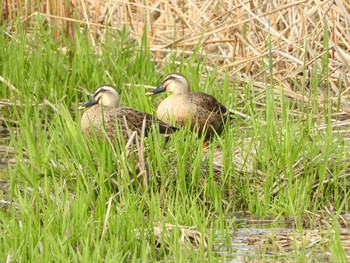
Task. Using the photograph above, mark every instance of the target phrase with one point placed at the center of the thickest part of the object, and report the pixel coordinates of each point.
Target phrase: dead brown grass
(233, 35)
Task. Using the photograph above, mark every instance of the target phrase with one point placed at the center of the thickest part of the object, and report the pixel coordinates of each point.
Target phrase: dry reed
(232, 35)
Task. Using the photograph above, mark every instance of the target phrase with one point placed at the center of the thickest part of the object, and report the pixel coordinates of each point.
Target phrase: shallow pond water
(271, 242)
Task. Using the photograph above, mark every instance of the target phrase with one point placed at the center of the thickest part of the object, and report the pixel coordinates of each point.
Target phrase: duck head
(104, 95)
(174, 83)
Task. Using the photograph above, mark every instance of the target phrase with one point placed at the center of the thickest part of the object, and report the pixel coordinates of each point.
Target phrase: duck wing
(207, 102)
(134, 120)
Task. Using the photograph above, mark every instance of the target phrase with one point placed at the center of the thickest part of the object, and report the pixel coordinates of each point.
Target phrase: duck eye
(98, 97)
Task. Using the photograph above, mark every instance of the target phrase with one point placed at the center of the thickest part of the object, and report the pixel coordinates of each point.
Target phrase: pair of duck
(204, 113)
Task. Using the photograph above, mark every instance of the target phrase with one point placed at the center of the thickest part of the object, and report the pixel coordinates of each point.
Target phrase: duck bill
(88, 104)
(157, 90)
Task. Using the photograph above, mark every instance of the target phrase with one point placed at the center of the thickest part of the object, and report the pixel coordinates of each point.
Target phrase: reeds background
(231, 35)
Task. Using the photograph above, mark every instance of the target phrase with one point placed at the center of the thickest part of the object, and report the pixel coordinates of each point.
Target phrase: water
(278, 241)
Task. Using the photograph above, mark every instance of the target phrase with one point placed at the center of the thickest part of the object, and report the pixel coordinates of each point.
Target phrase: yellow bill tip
(81, 107)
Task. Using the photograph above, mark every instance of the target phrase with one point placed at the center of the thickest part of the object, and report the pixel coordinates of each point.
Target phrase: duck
(103, 115)
(204, 112)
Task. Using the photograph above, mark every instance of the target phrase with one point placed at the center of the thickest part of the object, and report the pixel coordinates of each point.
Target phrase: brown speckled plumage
(104, 115)
(202, 110)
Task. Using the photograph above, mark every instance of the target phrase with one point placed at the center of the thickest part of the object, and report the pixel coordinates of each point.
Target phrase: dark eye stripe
(97, 94)
(169, 78)
(172, 77)
(100, 90)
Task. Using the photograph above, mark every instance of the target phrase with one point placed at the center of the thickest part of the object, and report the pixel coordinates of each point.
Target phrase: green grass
(79, 199)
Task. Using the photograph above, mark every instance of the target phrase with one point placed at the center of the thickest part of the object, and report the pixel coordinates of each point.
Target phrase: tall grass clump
(80, 198)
